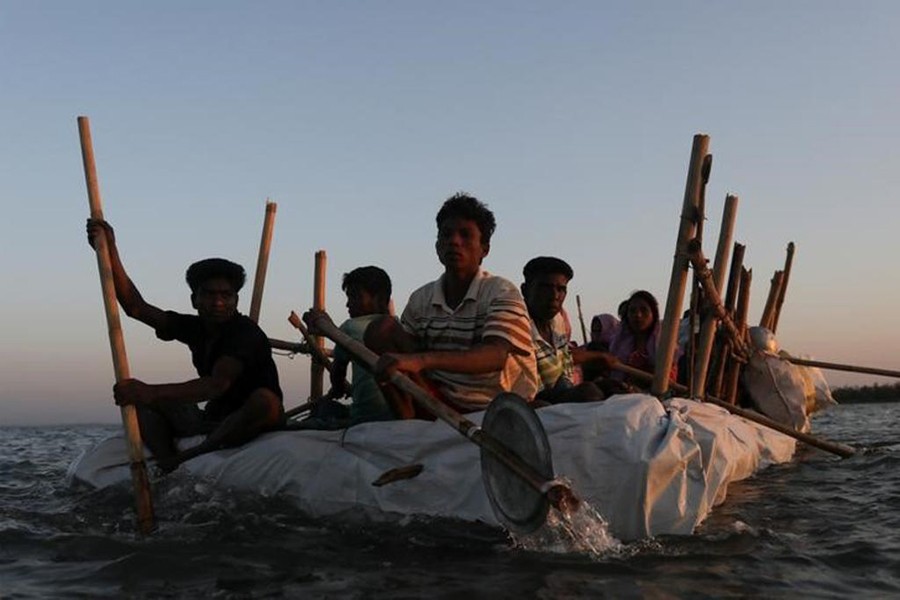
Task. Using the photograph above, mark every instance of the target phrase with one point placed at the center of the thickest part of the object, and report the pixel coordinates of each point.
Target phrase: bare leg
(262, 411)
(157, 433)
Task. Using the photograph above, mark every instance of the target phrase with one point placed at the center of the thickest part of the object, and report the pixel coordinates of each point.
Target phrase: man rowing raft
(465, 336)
(237, 377)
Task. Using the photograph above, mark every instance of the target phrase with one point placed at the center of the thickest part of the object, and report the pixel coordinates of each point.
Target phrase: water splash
(582, 531)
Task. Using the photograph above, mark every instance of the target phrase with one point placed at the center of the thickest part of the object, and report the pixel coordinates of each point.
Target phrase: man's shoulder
(243, 325)
(426, 289)
(356, 326)
(176, 325)
(423, 296)
(495, 287)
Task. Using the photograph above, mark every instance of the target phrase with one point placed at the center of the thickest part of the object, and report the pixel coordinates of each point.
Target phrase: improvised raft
(648, 467)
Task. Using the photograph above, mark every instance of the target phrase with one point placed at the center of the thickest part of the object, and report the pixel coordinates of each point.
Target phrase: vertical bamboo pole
(734, 283)
(143, 499)
(317, 371)
(788, 262)
(262, 262)
(584, 336)
(733, 371)
(708, 327)
(774, 290)
(696, 293)
(734, 276)
(669, 333)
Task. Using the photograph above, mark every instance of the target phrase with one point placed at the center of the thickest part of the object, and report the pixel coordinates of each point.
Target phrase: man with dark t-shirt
(237, 376)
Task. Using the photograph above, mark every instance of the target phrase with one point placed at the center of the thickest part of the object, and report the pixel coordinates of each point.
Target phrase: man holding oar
(466, 336)
(237, 376)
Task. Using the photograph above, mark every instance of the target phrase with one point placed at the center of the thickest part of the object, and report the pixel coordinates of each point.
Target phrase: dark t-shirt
(239, 338)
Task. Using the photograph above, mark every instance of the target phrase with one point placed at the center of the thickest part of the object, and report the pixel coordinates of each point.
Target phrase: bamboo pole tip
(271, 206)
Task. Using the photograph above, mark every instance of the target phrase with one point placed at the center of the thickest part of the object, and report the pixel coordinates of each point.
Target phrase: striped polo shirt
(492, 307)
(554, 358)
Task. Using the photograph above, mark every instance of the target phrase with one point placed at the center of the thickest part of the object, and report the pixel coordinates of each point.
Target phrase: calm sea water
(818, 527)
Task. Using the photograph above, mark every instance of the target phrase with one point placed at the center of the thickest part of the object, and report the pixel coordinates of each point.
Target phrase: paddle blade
(517, 504)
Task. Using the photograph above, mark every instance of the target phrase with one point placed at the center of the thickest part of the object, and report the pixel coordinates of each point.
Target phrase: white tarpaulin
(648, 469)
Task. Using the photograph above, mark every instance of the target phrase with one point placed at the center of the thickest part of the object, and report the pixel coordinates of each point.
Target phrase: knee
(266, 406)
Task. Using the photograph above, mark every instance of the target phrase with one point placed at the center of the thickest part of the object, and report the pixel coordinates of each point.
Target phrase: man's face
(215, 300)
(545, 294)
(459, 246)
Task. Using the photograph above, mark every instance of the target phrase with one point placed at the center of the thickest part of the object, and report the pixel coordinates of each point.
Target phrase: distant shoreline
(867, 394)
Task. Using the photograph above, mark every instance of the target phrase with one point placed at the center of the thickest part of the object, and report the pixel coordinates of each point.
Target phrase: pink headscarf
(608, 325)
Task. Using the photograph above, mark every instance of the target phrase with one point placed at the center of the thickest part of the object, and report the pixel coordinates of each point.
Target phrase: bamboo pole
(733, 370)
(262, 262)
(317, 370)
(678, 281)
(708, 327)
(841, 367)
(768, 313)
(734, 282)
(140, 482)
(788, 262)
(697, 302)
(584, 336)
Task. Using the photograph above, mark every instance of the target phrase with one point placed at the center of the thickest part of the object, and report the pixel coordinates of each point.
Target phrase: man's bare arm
(582, 355)
(488, 356)
(127, 293)
(224, 373)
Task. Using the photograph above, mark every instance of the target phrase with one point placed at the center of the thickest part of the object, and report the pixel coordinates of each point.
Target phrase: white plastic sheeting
(648, 469)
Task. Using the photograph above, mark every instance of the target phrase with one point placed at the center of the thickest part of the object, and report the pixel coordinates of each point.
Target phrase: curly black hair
(215, 268)
(469, 207)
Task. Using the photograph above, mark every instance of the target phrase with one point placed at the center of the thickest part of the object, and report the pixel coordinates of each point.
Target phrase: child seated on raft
(368, 292)
(635, 343)
(603, 329)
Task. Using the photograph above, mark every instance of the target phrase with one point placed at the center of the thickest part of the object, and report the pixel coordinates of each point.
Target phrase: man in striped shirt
(466, 335)
(545, 288)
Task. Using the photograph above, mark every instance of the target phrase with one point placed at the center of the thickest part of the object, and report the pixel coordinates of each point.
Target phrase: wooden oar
(841, 367)
(313, 347)
(318, 354)
(139, 478)
(841, 450)
(556, 492)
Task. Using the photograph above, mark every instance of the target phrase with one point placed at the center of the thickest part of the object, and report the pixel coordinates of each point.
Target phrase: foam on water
(582, 531)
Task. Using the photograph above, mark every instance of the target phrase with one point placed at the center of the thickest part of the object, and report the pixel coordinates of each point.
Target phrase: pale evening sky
(572, 120)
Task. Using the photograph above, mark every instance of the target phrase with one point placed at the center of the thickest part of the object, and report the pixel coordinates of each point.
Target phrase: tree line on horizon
(889, 392)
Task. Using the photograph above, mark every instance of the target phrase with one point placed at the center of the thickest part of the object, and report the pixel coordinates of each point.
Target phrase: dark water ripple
(818, 527)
